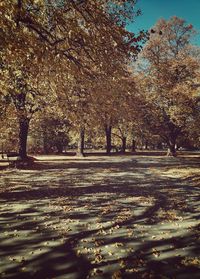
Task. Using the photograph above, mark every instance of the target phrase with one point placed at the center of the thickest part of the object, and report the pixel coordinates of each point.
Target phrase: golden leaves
(191, 261)
(117, 275)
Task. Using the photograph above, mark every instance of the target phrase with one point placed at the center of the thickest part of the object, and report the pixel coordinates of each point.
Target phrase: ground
(101, 217)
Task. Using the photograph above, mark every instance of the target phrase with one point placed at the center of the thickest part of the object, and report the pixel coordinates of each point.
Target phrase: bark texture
(108, 131)
(81, 142)
(123, 150)
(23, 136)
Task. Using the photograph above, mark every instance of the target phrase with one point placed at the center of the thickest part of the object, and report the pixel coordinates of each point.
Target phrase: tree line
(70, 70)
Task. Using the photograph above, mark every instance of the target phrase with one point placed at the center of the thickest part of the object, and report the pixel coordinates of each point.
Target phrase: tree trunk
(80, 150)
(172, 148)
(133, 146)
(171, 151)
(146, 144)
(59, 148)
(108, 130)
(123, 150)
(23, 135)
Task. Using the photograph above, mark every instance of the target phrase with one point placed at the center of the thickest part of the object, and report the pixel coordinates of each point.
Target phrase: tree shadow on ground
(102, 219)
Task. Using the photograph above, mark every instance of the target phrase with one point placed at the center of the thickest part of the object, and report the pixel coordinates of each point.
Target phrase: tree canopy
(170, 69)
(77, 58)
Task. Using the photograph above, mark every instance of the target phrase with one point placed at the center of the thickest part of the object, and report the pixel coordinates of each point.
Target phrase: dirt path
(101, 217)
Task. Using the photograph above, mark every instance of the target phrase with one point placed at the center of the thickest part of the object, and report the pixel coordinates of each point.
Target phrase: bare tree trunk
(81, 142)
(108, 130)
(123, 150)
(23, 135)
(172, 148)
(133, 146)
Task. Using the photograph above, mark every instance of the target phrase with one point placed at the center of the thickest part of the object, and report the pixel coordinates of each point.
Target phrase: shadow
(116, 217)
(41, 257)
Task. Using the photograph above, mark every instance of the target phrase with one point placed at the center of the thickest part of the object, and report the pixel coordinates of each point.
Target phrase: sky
(153, 10)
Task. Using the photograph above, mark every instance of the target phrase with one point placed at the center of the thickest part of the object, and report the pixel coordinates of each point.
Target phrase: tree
(21, 80)
(106, 105)
(82, 35)
(170, 69)
(78, 107)
(126, 103)
(20, 71)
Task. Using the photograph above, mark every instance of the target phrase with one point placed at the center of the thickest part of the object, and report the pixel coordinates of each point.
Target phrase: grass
(101, 217)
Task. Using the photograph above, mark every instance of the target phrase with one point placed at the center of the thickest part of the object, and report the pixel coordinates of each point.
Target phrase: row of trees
(71, 66)
(49, 47)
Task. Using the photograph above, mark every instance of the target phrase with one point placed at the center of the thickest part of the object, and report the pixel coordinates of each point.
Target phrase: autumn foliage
(74, 62)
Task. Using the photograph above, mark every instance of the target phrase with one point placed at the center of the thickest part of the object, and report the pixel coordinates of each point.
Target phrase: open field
(101, 217)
